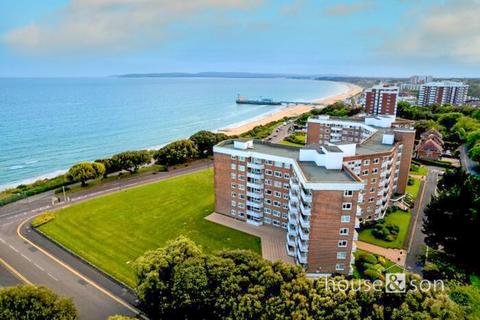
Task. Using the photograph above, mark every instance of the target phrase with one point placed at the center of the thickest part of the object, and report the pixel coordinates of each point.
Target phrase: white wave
(31, 180)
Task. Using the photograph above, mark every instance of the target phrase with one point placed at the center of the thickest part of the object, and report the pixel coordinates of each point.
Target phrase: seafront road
(28, 257)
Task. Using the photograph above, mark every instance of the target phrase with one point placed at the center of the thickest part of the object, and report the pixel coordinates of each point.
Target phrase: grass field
(399, 218)
(288, 143)
(419, 170)
(114, 230)
(413, 189)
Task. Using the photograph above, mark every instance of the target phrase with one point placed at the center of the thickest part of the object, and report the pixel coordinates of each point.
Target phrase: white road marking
(36, 265)
(1, 240)
(52, 276)
(13, 248)
(26, 258)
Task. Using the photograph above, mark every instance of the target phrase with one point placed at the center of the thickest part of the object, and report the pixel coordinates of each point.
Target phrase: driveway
(468, 164)
(37, 260)
(280, 133)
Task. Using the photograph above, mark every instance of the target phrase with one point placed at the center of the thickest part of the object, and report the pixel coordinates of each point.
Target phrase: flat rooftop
(311, 171)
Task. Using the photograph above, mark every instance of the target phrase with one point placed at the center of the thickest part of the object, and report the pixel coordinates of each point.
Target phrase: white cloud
(96, 25)
(448, 32)
(345, 9)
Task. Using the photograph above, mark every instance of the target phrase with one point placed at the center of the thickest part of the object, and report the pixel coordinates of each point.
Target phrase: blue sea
(48, 124)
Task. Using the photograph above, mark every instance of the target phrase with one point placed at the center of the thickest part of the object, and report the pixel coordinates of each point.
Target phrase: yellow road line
(14, 271)
(66, 266)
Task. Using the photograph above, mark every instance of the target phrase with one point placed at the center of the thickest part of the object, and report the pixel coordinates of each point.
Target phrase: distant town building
(381, 100)
(442, 92)
(430, 146)
(319, 193)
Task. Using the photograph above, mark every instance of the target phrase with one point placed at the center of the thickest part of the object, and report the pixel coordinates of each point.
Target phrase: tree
(422, 126)
(205, 140)
(177, 152)
(28, 302)
(111, 166)
(131, 161)
(473, 138)
(85, 171)
(448, 120)
(474, 152)
(452, 219)
(180, 281)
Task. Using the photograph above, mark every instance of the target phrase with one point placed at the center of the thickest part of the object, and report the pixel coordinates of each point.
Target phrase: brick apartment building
(318, 193)
(442, 92)
(381, 100)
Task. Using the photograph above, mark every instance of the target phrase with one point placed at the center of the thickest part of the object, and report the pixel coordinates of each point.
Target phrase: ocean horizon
(49, 124)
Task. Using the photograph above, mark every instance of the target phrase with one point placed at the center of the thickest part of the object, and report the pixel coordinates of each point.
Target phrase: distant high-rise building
(381, 100)
(420, 79)
(442, 92)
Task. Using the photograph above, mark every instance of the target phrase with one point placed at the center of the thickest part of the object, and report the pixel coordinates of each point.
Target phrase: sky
(385, 38)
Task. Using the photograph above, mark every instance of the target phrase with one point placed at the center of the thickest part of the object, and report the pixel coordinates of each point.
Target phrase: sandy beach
(290, 111)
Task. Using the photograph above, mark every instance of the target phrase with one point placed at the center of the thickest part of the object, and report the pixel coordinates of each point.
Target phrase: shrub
(42, 219)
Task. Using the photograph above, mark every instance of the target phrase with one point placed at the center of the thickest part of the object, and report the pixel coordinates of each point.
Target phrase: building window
(374, 171)
(269, 162)
(267, 211)
(371, 199)
(341, 255)
(268, 201)
(234, 194)
(343, 231)
(234, 203)
(345, 219)
(375, 161)
(233, 166)
(268, 191)
(348, 193)
(241, 196)
(267, 220)
(278, 164)
(342, 243)
(241, 168)
(277, 184)
(277, 174)
(233, 212)
(233, 157)
(277, 203)
(268, 172)
(276, 223)
(241, 187)
(241, 158)
(284, 216)
(233, 176)
(268, 182)
(366, 162)
(285, 206)
(284, 225)
(241, 177)
(286, 175)
(374, 180)
(241, 214)
(277, 194)
(365, 172)
(346, 206)
(286, 186)
(287, 166)
(276, 213)
(234, 186)
(285, 196)
(241, 205)
(339, 267)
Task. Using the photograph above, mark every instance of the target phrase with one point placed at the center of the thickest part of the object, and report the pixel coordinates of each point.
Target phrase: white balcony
(254, 204)
(255, 223)
(359, 211)
(292, 208)
(291, 240)
(293, 195)
(294, 185)
(379, 202)
(292, 229)
(255, 175)
(305, 223)
(301, 258)
(258, 195)
(254, 185)
(355, 235)
(305, 210)
(357, 223)
(360, 198)
(255, 214)
(304, 235)
(290, 250)
(255, 165)
(302, 246)
(306, 197)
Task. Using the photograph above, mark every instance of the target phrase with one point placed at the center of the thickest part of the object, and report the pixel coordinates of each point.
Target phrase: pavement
(28, 257)
(395, 255)
(468, 164)
(416, 238)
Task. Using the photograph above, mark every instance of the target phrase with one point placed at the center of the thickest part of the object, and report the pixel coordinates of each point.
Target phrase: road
(468, 164)
(27, 256)
(280, 133)
(416, 241)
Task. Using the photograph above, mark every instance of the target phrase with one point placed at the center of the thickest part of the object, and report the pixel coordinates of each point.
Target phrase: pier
(270, 102)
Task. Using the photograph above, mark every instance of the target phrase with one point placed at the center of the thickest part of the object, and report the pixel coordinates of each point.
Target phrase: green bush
(373, 275)
(386, 231)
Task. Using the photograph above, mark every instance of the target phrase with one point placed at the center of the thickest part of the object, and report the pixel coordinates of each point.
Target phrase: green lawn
(288, 143)
(389, 266)
(112, 231)
(413, 189)
(399, 218)
(419, 170)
